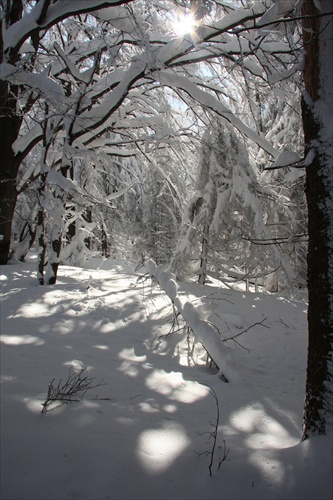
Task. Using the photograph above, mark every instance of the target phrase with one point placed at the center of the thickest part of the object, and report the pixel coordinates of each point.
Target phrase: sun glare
(184, 24)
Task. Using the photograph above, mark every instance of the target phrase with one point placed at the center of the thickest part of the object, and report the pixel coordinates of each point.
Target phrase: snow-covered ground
(147, 433)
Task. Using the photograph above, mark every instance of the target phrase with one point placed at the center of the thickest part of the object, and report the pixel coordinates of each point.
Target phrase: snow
(278, 10)
(235, 18)
(285, 159)
(203, 330)
(47, 86)
(98, 114)
(18, 32)
(139, 435)
(84, 76)
(22, 142)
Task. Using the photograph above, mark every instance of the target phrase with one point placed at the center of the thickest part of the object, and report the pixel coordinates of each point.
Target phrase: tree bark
(42, 250)
(10, 124)
(317, 122)
(204, 254)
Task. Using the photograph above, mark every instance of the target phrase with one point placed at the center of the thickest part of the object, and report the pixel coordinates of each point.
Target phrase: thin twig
(224, 456)
(67, 392)
(247, 329)
(214, 434)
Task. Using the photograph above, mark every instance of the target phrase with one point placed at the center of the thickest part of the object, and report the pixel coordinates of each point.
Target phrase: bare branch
(66, 392)
(247, 329)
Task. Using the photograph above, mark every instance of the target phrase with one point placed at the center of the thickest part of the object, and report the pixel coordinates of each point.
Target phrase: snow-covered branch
(203, 331)
(209, 101)
(43, 16)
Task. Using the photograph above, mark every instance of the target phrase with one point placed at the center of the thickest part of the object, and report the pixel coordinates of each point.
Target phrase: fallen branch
(67, 392)
(204, 332)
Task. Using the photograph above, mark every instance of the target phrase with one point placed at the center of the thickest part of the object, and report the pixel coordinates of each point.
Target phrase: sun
(185, 23)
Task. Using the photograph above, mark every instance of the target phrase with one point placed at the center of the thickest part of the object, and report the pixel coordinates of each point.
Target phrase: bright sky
(184, 24)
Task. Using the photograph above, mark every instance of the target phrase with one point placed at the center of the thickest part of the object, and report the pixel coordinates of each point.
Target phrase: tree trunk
(41, 232)
(105, 242)
(10, 122)
(9, 128)
(27, 237)
(204, 255)
(317, 123)
(54, 254)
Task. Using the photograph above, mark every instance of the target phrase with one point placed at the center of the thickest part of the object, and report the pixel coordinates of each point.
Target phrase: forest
(189, 139)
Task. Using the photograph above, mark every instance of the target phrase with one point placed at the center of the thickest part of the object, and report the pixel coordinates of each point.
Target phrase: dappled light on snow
(76, 366)
(64, 327)
(157, 449)
(175, 387)
(165, 213)
(138, 436)
(33, 404)
(149, 406)
(31, 310)
(272, 469)
(21, 340)
(260, 430)
(101, 347)
(130, 362)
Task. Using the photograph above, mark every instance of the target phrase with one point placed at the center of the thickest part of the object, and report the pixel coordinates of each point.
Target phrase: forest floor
(148, 432)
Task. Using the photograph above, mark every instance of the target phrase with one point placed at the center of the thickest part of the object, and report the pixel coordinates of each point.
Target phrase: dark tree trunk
(87, 216)
(10, 123)
(54, 259)
(204, 254)
(316, 104)
(41, 232)
(105, 242)
(9, 128)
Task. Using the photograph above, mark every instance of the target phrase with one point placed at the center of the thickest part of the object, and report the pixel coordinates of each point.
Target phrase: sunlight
(31, 310)
(159, 448)
(33, 404)
(173, 386)
(184, 24)
(20, 340)
(149, 406)
(270, 467)
(101, 347)
(130, 362)
(77, 366)
(264, 432)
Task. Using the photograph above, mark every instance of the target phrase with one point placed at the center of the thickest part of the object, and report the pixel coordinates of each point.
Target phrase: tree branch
(246, 330)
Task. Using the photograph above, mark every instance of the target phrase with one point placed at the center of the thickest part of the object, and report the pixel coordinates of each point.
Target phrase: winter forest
(181, 150)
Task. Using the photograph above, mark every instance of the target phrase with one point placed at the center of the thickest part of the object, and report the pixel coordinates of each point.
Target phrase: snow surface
(143, 440)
